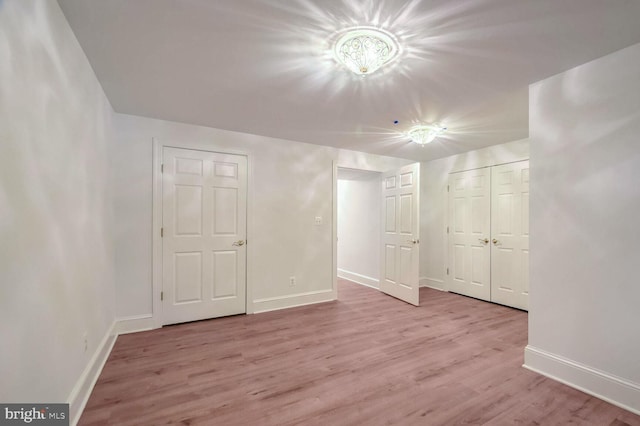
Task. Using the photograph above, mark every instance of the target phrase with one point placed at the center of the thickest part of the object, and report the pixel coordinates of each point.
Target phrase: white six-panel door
(399, 275)
(469, 233)
(489, 233)
(510, 234)
(204, 231)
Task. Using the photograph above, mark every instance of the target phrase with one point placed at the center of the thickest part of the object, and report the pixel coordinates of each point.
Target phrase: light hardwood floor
(367, 359)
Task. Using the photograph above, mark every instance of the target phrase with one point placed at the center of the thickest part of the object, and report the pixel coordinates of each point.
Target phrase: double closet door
(489, 234)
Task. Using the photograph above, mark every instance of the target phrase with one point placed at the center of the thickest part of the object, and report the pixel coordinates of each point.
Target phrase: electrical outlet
(318, 220)
(86, 341)
(292, 281)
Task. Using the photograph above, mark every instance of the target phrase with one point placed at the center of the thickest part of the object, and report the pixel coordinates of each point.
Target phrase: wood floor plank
(364, 359)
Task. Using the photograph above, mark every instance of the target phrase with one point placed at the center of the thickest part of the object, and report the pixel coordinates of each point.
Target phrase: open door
(399, 274)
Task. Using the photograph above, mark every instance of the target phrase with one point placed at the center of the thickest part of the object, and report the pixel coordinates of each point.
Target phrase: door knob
(486, 240)
(495, 242)
(414, 241)
(239, 243)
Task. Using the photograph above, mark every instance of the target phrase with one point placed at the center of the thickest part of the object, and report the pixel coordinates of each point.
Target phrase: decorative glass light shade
(363, 50)
(423, 135)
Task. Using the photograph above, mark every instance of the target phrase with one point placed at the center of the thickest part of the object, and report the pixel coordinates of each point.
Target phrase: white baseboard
(615, 390)
(82, 390)
(432, 283)
(291, 301)
(359, 278)
(134, 324)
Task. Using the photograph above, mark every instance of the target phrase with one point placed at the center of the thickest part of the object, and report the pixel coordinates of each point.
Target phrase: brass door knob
(495, 242)
(485, 241)
(239, 243)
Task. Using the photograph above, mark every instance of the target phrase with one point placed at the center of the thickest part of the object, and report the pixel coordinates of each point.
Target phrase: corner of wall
(84, 386)
(607, 387)
(359, 278)
(433, 283)
(134, 324)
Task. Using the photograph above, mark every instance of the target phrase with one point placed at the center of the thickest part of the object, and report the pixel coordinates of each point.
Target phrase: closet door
(510, 234)
(469, 232)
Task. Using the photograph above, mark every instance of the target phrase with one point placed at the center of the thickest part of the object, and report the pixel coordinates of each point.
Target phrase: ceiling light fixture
(364, 49)
(423, 135)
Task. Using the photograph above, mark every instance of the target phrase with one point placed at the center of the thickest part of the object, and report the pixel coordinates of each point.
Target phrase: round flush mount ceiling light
(365, 49)
(423, 135)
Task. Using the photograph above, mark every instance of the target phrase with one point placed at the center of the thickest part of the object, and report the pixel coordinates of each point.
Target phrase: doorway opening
(395, 214)
(358, 226)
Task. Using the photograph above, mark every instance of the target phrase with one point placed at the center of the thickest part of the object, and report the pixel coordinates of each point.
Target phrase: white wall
(584, 323)
(56, 251)
(359, 207)
(434, 201)
(290, 184)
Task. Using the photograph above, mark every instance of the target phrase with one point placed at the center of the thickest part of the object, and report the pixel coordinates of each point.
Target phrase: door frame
(156, 261)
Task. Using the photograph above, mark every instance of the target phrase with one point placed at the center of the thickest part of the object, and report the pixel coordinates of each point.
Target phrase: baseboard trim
(433, 283)
(134, 324)
(84, 386)
(291, 301)
(615, 390)
(359, 278)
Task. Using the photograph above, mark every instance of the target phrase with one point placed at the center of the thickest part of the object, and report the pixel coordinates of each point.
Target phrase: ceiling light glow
(364, 49)
(423, 135)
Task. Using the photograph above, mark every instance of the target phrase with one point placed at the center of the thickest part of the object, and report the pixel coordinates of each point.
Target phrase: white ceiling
(262, 67)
